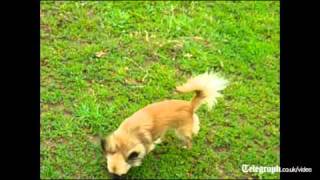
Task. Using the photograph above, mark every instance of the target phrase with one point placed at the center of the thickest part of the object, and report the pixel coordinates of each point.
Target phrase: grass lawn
(102, 61)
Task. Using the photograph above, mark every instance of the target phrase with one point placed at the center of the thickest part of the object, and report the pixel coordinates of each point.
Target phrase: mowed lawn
(102, 61)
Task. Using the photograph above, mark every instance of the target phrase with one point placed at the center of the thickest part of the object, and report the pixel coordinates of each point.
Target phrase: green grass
(150, 47)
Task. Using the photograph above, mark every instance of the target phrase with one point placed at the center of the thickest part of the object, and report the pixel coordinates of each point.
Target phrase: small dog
(139, 133)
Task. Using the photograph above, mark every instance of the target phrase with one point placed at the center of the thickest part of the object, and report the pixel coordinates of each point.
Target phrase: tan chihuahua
(138, 134)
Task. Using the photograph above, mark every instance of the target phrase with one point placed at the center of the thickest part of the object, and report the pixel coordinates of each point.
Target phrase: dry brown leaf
(100, 54)
(147, 36)
(131, 81)
(197, 38)
(187, 55)
(178, 45)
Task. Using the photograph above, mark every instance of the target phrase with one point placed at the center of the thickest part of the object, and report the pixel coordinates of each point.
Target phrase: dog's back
(159, 116)
(168, 114)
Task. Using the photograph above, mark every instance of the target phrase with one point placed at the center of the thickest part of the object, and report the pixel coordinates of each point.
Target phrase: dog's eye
(133, 155)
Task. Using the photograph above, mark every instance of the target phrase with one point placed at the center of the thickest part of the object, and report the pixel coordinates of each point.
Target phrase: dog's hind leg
(195, 124)
(185, 134)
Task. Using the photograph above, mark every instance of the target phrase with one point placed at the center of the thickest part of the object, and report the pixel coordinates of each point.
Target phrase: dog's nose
(115, 176)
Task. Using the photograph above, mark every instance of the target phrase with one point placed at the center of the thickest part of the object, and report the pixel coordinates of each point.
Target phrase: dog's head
(122, 151)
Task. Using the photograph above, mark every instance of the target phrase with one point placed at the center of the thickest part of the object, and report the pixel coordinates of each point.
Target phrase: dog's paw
(137, 163)
(158, 141)
(187, 145)
(151, 148)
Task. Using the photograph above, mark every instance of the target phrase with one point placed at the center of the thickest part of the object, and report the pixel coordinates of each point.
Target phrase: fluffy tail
(206, 86)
